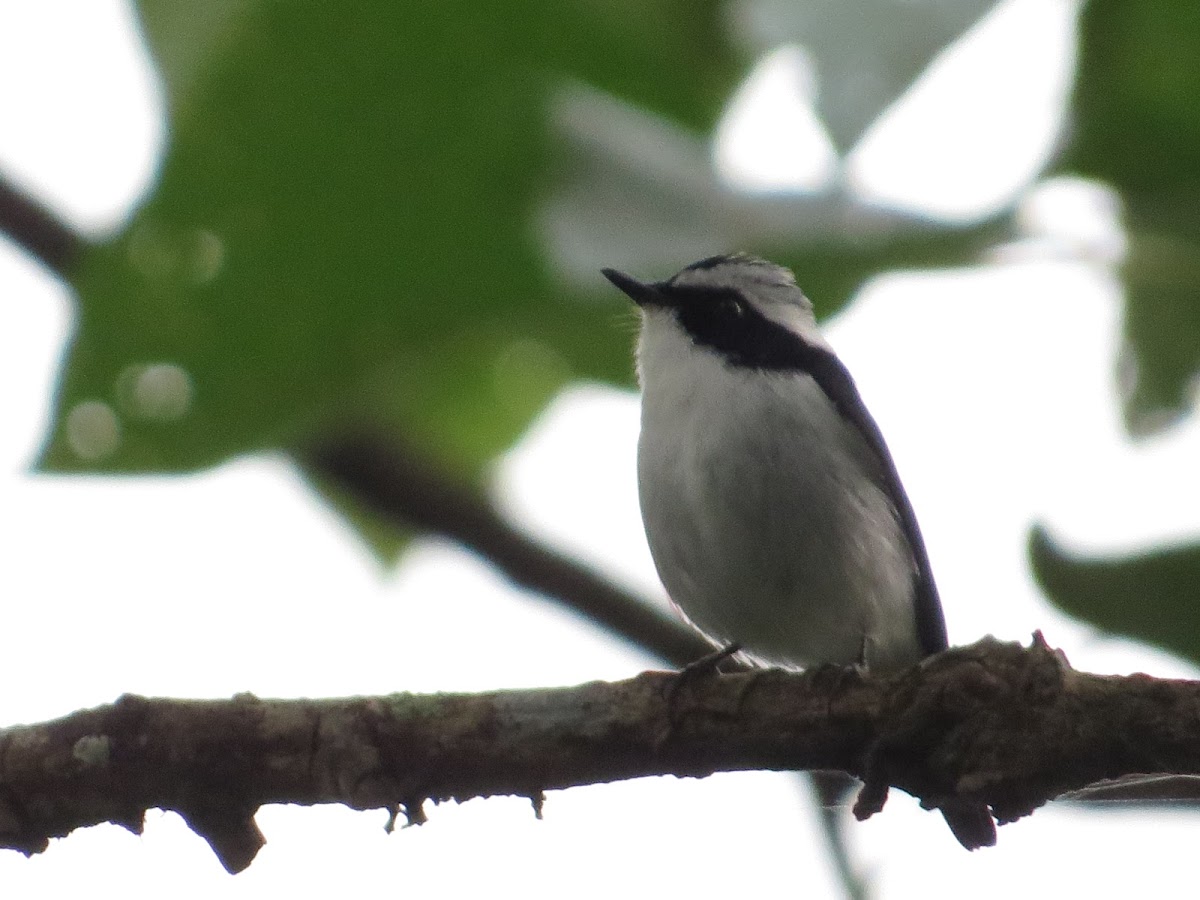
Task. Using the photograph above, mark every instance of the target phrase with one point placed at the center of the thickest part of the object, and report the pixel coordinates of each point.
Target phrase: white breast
(764, 518)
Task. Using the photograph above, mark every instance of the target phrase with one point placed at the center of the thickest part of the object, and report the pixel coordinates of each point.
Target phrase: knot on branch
(945, 731)
(228, 825)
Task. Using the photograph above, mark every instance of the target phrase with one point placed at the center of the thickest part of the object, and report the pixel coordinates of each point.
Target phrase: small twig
(412, 493)
(42, 233)
(402, 487)
(831, 789)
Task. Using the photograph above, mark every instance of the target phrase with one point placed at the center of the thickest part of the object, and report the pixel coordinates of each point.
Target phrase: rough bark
(1011, 726)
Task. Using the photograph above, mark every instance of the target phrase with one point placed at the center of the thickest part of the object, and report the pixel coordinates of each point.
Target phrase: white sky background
(994, 387)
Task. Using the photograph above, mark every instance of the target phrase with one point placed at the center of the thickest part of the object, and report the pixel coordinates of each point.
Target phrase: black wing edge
(836, 381)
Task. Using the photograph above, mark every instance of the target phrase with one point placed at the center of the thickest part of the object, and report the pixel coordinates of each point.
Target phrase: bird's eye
(733, 307)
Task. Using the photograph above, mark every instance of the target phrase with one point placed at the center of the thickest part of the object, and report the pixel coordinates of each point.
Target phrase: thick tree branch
(1010, 726)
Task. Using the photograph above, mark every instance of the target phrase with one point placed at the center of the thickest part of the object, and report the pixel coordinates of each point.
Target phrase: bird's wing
(836, 382)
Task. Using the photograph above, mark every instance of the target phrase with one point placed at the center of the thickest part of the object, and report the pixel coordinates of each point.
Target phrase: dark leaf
(1152, 597)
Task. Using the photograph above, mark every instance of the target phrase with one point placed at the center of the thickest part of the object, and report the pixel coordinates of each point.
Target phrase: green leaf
(1150, 597)
(1162, 318)
(1137, 127)
(343, 228)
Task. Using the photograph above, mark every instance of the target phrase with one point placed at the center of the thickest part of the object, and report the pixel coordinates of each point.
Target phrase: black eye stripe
(689, 295)
(723, 320)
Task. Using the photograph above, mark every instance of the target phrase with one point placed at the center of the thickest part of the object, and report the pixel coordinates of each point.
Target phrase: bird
(772, 506)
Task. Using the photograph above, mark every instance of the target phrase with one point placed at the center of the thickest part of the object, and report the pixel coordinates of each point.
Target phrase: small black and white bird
(773, 509)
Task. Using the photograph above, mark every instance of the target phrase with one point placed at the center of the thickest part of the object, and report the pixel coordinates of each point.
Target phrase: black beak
(639, 293)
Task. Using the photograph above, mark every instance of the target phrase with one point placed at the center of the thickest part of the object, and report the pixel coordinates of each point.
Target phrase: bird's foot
(709, 662)
(705, 665)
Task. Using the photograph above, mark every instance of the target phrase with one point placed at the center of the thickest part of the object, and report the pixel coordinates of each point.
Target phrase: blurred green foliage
(345, 226)
(1150, 596)
(1137, 127)
(341, 229)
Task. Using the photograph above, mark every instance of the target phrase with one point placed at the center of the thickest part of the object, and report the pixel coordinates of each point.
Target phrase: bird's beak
(639, 293)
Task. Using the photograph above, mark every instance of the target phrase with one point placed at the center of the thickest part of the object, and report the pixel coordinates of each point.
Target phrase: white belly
(762, 535)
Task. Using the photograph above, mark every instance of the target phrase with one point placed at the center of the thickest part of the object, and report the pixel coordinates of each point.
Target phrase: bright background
(999, 412)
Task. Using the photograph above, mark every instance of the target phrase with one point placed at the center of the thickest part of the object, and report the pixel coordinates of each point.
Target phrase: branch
(43, 234)
(402, 487)
(1009, 726)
